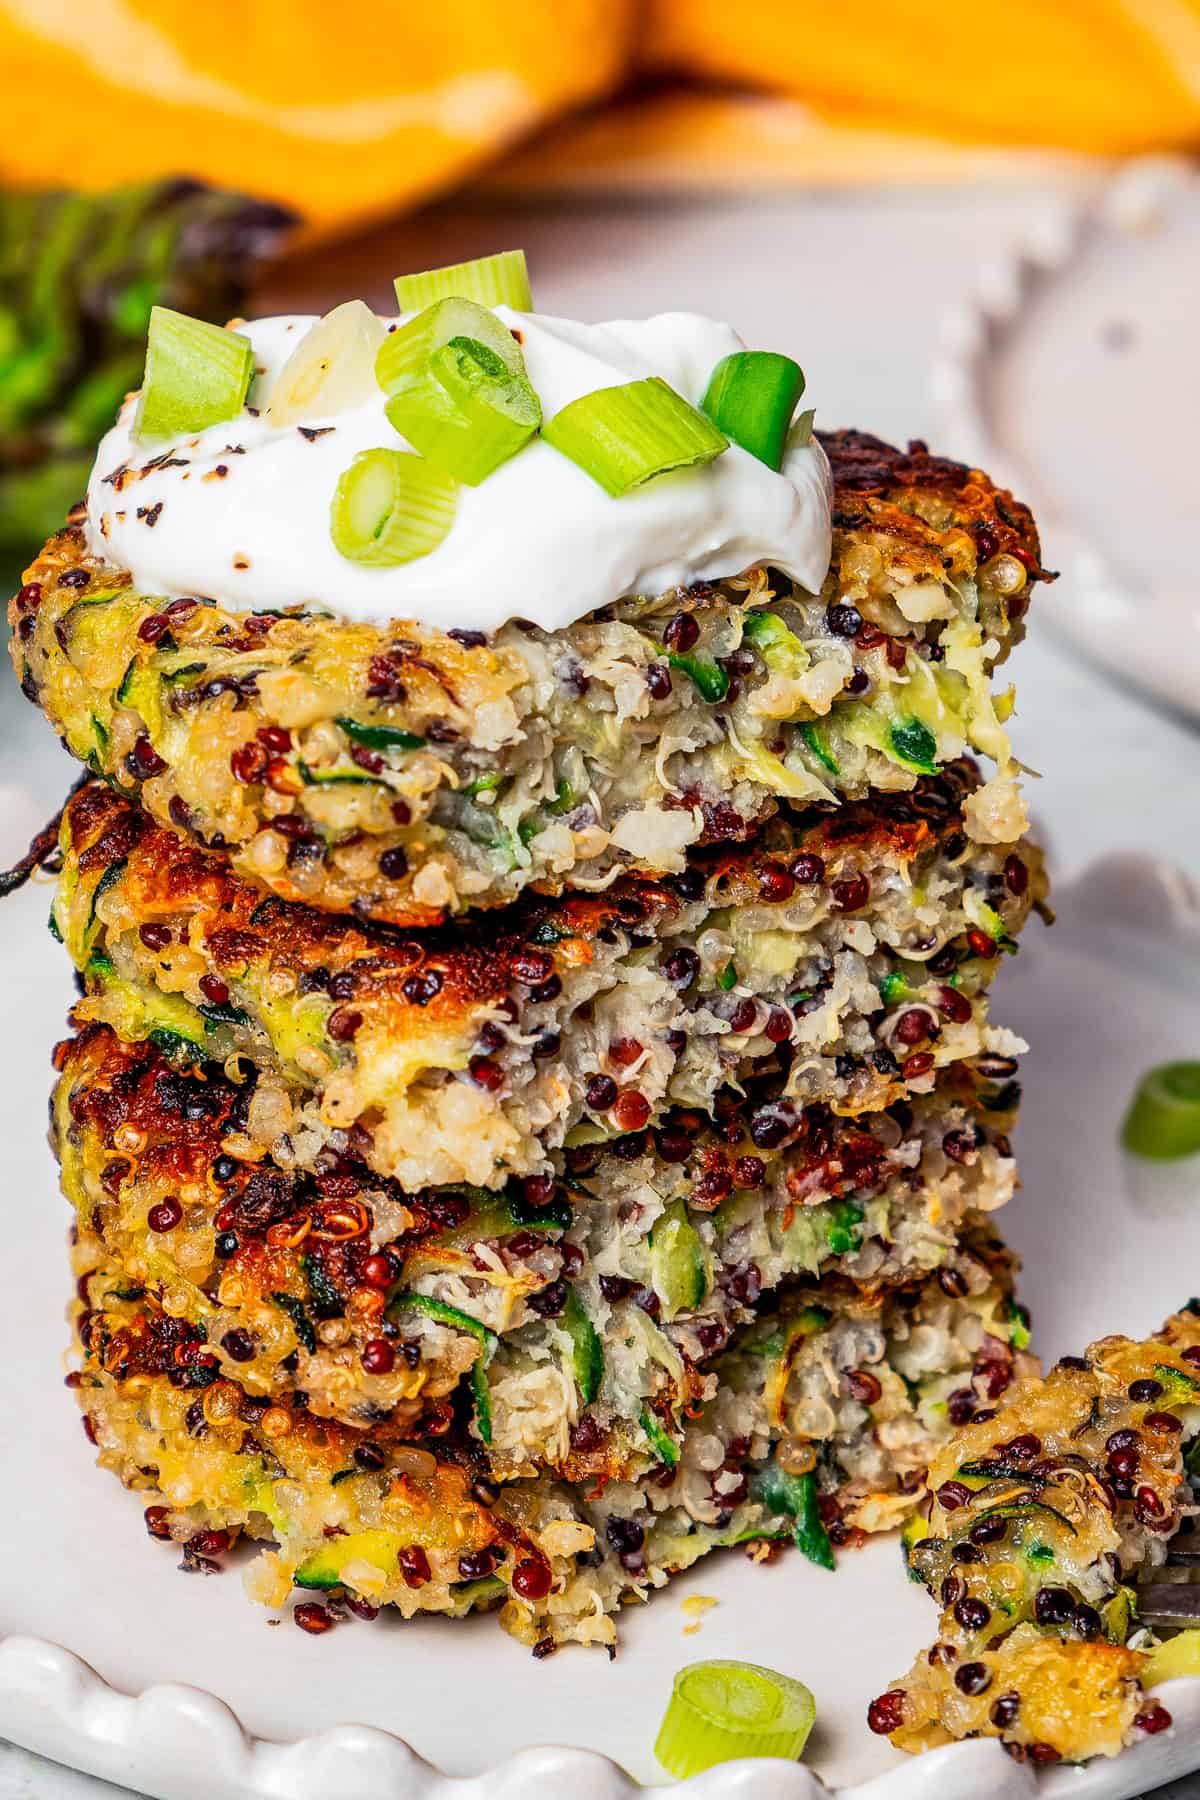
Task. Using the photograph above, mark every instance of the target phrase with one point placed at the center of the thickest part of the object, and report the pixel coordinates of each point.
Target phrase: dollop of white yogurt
(240, 512)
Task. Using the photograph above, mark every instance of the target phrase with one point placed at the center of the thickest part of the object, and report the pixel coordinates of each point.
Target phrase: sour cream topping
(240, 512)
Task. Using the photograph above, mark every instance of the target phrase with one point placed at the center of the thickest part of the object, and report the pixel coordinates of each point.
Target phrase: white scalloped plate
(1072, 374)
(256, 1710)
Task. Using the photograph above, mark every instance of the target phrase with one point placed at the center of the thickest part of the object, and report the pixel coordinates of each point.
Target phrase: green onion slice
(623, 436)
(719, 1711)
(196, 375)
(801, 433)
(331, 369)
(501, 280)
(390, 507)
(1163, 1121)
(457, 389)
(751, 396)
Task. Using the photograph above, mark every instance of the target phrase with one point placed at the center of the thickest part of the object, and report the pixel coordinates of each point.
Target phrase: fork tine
(1168, 1603)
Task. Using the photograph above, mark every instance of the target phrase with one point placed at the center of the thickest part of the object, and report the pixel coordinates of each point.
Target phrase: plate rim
(1099, 600)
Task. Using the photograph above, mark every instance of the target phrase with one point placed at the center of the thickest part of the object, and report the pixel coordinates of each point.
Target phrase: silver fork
(1172, 1605)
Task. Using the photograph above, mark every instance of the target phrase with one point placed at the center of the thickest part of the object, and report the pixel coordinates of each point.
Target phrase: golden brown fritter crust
(477, 960)
(847, 956)
(950, 516)
(289, 1272)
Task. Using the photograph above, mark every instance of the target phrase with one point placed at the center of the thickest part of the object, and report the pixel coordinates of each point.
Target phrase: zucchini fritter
(820, 1430)
(849, 953)
(407, 774)
(1043, 1513)
(578, 1313)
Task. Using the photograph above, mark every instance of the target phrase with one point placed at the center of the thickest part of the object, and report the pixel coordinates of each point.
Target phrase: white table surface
(865, 279)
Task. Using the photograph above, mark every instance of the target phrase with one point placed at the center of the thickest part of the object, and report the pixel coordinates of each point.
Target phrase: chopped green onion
(679, 1275)
(801, 433)
(1163, 1121)
(622, 436)
(331, 369)
(457, 389)
(501, 280)
(720, 1711)
(728, 977)
(752, 395)
(379, 737)
(915, 745)
(390, 507)
(708, 678)
(196, 375)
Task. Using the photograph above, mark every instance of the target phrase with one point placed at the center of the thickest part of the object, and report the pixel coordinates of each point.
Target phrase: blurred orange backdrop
(352, 110)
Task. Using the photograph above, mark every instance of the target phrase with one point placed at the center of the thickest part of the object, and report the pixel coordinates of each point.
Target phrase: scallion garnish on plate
(719, 1711)
(501, 280)
(196, 375)
(390, 507)
(751, 396)
(457, 389)
(1163, 1121)
(623, 436)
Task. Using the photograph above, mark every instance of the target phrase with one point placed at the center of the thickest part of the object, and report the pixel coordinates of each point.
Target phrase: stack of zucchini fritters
(532, 1114)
